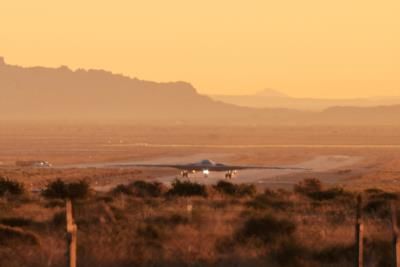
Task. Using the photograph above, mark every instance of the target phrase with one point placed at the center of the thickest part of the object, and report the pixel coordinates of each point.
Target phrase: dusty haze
(309, 48)
(39, 93)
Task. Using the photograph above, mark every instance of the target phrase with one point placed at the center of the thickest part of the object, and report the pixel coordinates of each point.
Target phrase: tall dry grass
(126, 228)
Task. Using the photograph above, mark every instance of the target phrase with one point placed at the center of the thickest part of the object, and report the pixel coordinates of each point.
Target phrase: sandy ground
(357, 157)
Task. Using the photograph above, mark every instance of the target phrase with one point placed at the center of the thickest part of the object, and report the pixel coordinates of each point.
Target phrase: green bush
(10, 187)
(187, 188)
(62, 190)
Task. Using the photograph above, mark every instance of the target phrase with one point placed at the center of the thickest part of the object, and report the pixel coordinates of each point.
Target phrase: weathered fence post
(359, 261)
(71, 235)
(396, 244)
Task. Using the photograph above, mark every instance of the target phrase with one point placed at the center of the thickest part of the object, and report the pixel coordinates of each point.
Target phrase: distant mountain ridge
(60, 93)
(270, 93)
(270, 98)
(38, 93)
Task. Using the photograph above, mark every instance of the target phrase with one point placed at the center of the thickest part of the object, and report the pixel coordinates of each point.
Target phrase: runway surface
(316, 166)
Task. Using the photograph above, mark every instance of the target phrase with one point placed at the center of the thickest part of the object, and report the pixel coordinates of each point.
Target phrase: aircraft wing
(249, 167)
(175, 166)
(191, 167)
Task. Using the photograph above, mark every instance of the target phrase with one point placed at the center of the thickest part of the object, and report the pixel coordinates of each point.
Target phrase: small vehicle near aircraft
(33, 163)
(206, 166)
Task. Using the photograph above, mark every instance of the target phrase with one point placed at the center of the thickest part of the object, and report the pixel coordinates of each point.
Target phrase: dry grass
(218, 230)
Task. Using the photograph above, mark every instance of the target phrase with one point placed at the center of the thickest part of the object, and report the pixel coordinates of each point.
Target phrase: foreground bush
(10, 187)
(266, 228)
(187, 188)
(10, 234)
(60, 189)
(328, 194)
(122, 189)
(145, 189)
(308, 186)
(313, 189)
(140, 189)
(238, 190)
(270, 200)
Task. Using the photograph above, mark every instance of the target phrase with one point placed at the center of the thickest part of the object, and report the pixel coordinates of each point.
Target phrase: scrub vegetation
(190, 224)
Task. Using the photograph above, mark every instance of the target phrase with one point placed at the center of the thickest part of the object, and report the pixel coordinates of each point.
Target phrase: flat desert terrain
(360, 157)
(140, 216)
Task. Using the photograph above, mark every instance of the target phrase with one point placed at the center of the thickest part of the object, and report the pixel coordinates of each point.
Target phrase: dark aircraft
(206, 166)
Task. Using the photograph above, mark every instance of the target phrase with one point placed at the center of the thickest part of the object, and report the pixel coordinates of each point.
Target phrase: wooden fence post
(359, 261)
(71, 235)
(395, 244)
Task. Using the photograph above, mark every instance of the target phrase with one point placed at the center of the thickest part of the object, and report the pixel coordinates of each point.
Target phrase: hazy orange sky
(341, 48)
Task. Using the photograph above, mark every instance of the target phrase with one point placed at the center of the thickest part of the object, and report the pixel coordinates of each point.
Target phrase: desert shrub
(379, 252)
(187, 188)
(171, 220)
(78, 189)
(313, 189)
(60, 189)
(378, 203)
(335, 253)
(386, 196)
(55, 203)
(17, 221)
(246, 190)
(8, 233)
(307, 186)
(225, 187)
(150, 231)
(56, 189)
(291, 253)
(225, 244)
(336, 216)
(329, 194)
(269, 200)
(373, 191)
(10, 187)
(122, 189)
(231, 189)
(59, 219)
(144, 189)
(105, 199)
(266, 228)
(377, 207)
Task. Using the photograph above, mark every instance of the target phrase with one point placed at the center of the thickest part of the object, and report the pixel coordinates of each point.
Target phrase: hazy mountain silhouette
(270, 98)
(60, 93)
(38, 93)
(271, 93)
